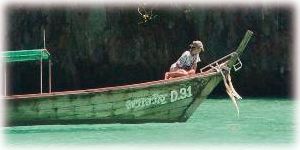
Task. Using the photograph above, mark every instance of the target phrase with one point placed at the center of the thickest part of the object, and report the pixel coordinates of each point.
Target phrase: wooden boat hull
(172, 100)
(159, 101)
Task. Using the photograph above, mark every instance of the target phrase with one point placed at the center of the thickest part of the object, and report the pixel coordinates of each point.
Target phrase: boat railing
(220, 62)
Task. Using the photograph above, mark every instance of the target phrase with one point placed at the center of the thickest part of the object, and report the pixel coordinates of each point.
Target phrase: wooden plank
(122, 113)
(71, 107)
(241, 47)
(173, 113)
(244, 42)
(213, 82)
(109, 105)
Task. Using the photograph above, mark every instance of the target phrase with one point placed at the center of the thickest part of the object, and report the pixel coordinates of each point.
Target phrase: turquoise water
(261, 121)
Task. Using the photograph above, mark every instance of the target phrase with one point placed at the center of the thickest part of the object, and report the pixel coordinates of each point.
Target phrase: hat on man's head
(197, 44)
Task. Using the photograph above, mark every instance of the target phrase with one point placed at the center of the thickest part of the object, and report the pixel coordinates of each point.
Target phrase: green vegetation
(107, 46)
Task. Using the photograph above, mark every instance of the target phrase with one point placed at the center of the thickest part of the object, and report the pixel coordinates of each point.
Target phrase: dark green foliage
(107, 46)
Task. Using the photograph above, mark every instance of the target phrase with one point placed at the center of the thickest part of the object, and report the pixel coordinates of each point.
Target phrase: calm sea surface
(261, 121)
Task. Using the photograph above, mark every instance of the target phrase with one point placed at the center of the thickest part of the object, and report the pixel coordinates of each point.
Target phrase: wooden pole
(41, 69)
(244, 42)
(44, 39)
(5, 89)
(50, 85)
(241, 47)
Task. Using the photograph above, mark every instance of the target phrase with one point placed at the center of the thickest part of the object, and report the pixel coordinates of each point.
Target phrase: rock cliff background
(103, 46)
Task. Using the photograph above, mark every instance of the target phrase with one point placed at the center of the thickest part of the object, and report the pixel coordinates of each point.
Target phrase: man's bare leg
(191, 72)
(174, 74)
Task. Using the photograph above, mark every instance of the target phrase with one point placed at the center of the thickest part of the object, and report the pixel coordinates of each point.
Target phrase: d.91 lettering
(180, 94)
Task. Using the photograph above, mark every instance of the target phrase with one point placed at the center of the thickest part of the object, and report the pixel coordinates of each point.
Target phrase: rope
(234, 96)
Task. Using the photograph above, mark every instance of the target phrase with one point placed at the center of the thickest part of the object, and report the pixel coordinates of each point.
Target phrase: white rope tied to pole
(234, 96)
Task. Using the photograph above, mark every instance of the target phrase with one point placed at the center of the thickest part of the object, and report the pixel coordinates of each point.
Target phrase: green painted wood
(25, 55)
(244, 42)
(241, 47)
(212, 83)
(95, 106)
(69, 108)
(170, 114)
(159, 101)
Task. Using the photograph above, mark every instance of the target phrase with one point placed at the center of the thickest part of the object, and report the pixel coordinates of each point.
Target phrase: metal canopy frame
(29, 55)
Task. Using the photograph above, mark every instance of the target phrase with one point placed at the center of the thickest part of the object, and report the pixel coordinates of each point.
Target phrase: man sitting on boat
(187, 63)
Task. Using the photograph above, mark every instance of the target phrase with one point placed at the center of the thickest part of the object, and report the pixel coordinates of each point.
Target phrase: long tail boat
(172, 100)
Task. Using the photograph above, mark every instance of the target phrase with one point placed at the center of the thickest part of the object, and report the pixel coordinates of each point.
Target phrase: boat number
(159, 99)
(181, 94)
